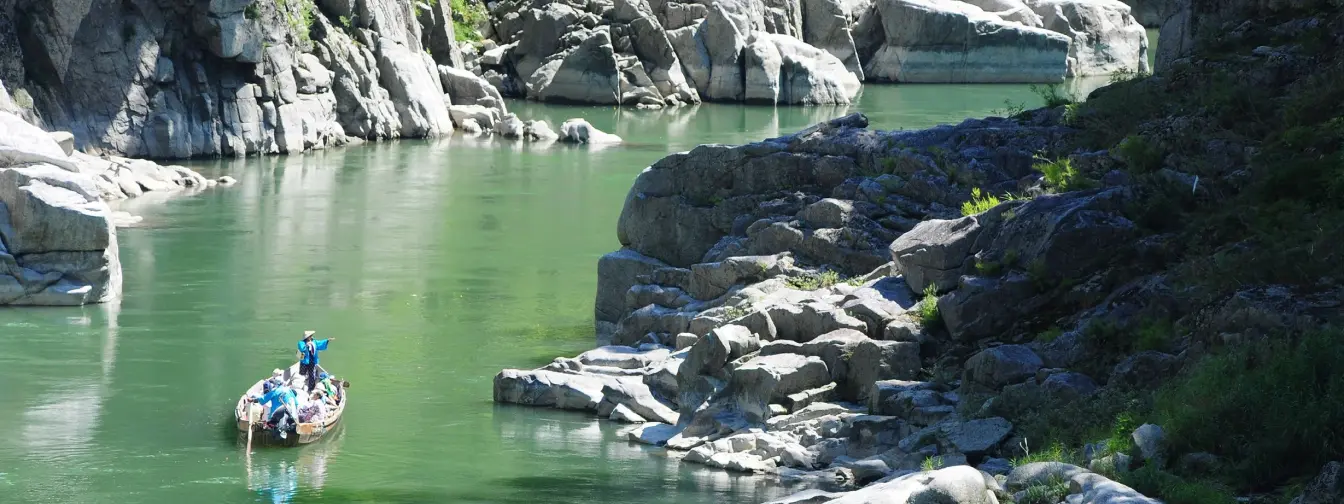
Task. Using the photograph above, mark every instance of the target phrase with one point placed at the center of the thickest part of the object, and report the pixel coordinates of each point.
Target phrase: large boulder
(827, 26)
(935, 252)
(580, 132)
(1326, 487)
(1106, 37)
(466, 88)
(586, 74)
(951, 41)
(22, 143)
(548, 388)
(781, 69)
(879, 360)
(617, 272)
(959, 484)
(995, 367)
(415, 90)
(654, 49)
(769, 379)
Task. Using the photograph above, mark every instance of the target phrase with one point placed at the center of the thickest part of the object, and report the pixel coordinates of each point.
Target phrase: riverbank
(863, 305)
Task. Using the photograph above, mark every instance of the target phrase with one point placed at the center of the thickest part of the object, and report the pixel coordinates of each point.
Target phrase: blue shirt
(318, 345)
(277, 397)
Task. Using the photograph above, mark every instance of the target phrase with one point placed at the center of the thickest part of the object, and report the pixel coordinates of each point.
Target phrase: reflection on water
(282, 474)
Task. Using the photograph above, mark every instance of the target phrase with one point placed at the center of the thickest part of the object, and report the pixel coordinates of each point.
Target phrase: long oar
(249, 431)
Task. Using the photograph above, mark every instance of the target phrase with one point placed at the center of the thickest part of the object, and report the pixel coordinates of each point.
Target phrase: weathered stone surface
(995, 367)
(587, 74)
(1106, 37)
(977, 437)
(769, 379)
(951, 41)
(957, 484)
(1326, 487)
(935, 252)
(879, 360)
(548, 388)
(579, 131)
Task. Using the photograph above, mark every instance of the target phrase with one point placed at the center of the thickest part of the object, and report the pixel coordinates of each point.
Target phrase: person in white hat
(308, 357)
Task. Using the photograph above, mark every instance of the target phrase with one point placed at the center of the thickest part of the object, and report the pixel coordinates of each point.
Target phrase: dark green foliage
(1271, 410)
(1173, 489)
(1139, 154)
(466, 15)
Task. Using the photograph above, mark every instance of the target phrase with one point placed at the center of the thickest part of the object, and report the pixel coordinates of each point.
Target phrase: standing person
(308, 356)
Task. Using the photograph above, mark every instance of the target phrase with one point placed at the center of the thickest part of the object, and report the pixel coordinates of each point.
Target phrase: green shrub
(979, 202)
(928, 307)
(1053, 95)
(988, 268)
(1270, 410)
(1061, 176)
(1172, 489)
(1049, 335)
(1056, 452)
(467, 14)
(1139, 155)
(734, 312)
(1051, 492)
(814, 281)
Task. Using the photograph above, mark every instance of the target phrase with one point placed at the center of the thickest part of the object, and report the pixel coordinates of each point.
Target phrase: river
(434, 263)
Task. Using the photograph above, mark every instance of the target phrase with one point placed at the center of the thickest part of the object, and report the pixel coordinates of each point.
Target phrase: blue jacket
(277, 397)
(318, 345)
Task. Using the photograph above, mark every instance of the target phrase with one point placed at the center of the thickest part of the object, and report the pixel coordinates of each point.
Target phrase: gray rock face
(467, 88)
(548, 388)
(976, 437)
(879, 360)
(415, 90)
(1327, 487)
(827, 26)
(951, 41)
(1106, 37)
(1002, 365)
(770, 379)
(935, 252)
(1143, 369)
(1092, 487)
(587, 74)
(960, 484)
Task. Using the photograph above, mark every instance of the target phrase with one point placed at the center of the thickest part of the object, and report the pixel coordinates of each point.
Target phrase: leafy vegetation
(1053, 95)
(1271, 410)
(467, 15)
(22, 99)
(979, 202)
(1061, 176)
(813, 281)
(734, 312)
(1051, 492)
(927, 309)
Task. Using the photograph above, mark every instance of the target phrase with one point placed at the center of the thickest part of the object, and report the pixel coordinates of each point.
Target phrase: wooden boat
(304, 433)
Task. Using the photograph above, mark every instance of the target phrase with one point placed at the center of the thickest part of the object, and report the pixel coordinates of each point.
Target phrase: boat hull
(303, 433)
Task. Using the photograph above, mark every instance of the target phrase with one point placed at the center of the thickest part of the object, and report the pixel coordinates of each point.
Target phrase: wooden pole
(249, 431)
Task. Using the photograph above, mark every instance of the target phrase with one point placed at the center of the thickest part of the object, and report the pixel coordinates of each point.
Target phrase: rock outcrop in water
(861, 308)
(662, 53)
(58, 239)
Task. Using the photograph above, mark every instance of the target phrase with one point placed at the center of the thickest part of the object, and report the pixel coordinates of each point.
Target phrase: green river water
(434, 263)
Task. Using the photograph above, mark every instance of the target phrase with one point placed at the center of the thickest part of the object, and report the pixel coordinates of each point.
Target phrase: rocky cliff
(174, 79)
(668, 52)
(1111, 301)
